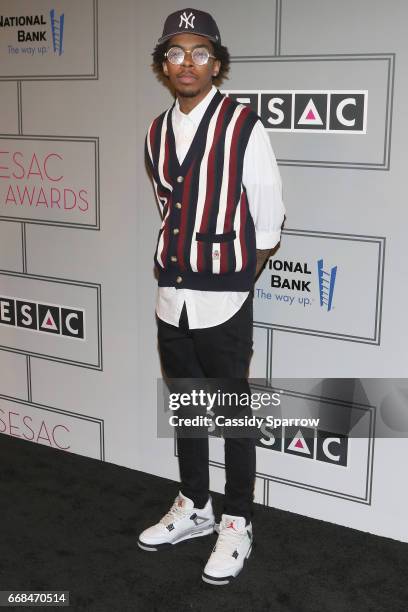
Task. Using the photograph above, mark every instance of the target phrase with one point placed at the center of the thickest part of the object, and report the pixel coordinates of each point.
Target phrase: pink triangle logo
(310, 115)
(299, 444)
(48, 321)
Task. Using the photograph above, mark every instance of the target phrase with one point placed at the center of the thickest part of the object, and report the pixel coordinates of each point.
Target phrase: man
(219, 189)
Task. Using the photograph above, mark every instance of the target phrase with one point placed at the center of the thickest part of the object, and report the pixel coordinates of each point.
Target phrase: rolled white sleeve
(263, 184)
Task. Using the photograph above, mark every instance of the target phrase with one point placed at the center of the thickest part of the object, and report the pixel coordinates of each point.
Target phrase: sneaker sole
(219, 581)
(164, 545)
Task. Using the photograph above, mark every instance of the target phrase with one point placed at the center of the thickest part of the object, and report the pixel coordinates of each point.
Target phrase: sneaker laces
(175, 512)
(228, 540)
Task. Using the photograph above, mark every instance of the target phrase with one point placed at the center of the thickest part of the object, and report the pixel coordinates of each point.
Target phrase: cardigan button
(178, 205)
(179, 279)
(173, 258)
(176, 230)
(180, 179)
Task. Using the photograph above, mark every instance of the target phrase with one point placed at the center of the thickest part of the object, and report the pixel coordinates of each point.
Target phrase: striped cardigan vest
(207, 237)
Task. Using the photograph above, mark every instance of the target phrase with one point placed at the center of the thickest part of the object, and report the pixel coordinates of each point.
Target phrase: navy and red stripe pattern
(207, 236)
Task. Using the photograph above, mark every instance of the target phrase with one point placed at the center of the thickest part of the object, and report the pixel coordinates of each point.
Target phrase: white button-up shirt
(264, 190)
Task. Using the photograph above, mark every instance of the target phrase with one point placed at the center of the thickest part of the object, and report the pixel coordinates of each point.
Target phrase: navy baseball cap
(190, 21)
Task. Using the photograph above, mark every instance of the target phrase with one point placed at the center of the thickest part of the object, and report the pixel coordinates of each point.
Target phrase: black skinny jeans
(222, 351)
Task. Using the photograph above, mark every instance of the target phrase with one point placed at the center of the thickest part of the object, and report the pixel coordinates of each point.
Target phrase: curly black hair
(221, 53)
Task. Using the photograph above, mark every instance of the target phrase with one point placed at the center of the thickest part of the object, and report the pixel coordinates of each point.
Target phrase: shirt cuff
(267, 240)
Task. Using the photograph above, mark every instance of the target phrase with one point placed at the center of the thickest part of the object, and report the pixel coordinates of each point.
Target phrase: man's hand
(261, 257)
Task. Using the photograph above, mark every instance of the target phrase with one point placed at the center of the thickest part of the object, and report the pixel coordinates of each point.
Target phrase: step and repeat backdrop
(78, 225)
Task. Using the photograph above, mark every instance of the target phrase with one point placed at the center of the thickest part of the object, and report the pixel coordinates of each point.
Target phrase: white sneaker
(233, 546)
(181, 522)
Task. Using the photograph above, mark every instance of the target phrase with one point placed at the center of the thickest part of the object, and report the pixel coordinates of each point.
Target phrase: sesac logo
(306, 442)
(60, 320)
(327, 280)
(308, 111)
(187, 20)
(57, 30)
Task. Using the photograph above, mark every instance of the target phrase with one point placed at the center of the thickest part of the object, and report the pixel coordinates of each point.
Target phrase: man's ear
(216, 68)
(165, 70)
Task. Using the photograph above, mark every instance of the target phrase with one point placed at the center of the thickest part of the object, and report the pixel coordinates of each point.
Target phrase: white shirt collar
(198, 111)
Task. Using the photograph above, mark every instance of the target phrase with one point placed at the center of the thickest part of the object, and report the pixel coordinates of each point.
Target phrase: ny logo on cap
(188, 20)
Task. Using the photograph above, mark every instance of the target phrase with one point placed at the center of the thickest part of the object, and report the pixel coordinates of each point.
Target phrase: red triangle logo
(299, 444)
(310, 115)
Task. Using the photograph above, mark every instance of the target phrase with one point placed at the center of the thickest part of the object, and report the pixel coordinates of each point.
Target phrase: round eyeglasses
(199, 55)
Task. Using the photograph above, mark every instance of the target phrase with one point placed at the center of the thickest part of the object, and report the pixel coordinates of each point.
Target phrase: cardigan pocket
(213, 257)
